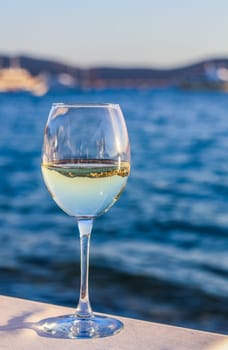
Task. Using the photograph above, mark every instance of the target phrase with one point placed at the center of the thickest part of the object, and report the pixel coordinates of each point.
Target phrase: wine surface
(85, 188)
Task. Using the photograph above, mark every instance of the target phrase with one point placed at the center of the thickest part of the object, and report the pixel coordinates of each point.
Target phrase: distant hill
(115, 76)
(36, 65)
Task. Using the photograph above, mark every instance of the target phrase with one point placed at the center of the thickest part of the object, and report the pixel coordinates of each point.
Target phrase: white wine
(85, 188)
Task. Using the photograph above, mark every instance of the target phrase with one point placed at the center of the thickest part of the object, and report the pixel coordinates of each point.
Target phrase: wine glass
(85, 165)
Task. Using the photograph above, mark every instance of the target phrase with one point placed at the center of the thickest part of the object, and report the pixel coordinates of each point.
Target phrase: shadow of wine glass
(19, 322)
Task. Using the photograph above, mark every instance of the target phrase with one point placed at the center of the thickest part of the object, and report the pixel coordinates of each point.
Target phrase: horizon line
(124, 65)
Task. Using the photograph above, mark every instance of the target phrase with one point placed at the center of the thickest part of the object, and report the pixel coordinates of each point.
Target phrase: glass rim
(85, 105)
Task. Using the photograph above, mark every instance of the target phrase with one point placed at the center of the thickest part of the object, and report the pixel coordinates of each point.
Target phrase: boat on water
(15, 79)
(213, 79)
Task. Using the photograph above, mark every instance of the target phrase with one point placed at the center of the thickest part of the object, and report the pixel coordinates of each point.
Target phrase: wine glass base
(71, 327)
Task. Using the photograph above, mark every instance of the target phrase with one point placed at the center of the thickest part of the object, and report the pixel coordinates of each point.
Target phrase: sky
(150, 33)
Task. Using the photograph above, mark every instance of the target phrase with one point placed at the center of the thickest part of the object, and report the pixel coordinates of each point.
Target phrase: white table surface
(17, 317)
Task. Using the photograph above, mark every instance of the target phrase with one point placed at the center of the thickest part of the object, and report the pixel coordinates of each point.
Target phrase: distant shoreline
(103, 77)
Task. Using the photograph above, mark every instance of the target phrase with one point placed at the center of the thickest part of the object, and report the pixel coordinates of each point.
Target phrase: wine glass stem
(84, 309)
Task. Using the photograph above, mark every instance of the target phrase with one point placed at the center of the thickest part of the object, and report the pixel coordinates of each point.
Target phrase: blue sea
(161, 253)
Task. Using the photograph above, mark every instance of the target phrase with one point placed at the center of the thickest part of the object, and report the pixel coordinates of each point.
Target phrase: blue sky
(161, 33)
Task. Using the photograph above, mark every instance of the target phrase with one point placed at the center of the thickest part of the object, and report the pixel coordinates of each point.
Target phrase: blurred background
(160, 254)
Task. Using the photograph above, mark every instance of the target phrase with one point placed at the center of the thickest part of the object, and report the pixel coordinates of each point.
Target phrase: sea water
(161, 253)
